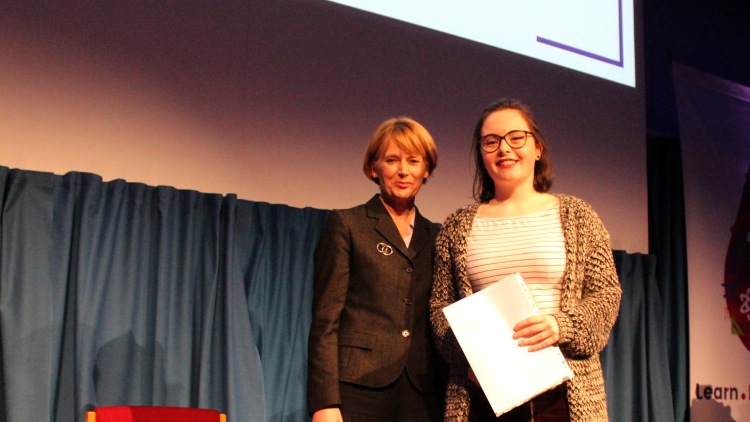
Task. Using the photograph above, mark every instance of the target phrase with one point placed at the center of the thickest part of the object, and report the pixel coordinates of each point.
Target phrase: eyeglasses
(515, 138)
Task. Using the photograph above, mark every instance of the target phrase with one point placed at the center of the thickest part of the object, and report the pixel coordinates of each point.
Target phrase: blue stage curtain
(667, 240)
(635, 361)
(118, 293)
(121, 293)
(277, 243)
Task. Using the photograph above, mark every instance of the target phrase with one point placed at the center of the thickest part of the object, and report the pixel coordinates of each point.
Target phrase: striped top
(532, 245)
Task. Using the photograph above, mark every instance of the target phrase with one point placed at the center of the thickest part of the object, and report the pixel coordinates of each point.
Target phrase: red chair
(153, 414)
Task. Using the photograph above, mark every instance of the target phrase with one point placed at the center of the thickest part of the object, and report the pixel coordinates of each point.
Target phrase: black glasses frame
(502, 138)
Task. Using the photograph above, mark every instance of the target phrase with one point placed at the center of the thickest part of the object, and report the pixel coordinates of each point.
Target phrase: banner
(714, 119)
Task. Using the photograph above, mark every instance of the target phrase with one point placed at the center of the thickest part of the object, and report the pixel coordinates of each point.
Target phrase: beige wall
(275, 102)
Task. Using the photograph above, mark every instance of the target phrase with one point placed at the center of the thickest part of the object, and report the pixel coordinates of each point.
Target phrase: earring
(538, 157)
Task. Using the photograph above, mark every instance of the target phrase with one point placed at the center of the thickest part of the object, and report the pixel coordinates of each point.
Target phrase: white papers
(483, 324)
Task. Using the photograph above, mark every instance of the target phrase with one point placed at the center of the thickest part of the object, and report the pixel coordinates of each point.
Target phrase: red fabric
(154, 414)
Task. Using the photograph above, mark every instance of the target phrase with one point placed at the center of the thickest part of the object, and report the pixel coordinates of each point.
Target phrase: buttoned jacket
(370, 303)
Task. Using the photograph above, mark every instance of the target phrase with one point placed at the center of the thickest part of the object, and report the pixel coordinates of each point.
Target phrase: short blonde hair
(409, 135)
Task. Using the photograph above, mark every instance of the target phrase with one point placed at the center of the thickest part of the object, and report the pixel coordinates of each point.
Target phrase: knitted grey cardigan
(588, 307)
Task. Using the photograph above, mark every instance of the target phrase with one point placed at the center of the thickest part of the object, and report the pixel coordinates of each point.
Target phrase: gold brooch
(384, 249)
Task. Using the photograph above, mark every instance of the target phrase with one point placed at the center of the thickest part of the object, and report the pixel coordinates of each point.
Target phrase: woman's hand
(538, 332)
(329, 414)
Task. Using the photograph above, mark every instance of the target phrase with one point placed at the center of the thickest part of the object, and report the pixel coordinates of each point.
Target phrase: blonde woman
(368, 353)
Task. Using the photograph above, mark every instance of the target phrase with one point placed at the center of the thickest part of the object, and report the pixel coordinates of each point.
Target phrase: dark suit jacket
(370, 309)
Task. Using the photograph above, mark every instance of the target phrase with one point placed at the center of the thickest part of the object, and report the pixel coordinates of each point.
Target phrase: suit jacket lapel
(386, 227)
(420, 237)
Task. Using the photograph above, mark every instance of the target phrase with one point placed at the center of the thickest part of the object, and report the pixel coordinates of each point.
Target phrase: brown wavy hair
(484, 186)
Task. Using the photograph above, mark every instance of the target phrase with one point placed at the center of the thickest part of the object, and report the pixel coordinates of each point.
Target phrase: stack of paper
(508, 374)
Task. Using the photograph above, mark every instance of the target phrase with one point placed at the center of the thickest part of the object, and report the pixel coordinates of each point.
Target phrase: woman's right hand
(537, 332)
(329, 414)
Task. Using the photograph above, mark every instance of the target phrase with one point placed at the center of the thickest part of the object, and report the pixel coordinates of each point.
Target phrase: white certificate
(508, 374)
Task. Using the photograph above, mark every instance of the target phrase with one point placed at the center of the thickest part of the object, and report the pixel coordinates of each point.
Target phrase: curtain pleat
(667, 240)
(279, 288)
(31, 303)
(115, 293)
(635, 361)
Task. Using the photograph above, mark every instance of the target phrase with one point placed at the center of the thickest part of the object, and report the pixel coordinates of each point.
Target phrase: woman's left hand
(538, 332)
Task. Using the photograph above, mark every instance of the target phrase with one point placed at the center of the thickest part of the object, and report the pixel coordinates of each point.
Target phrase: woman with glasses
(368, 353)
(558, 245)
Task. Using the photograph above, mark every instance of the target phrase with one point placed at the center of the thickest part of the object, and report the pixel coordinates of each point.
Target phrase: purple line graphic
(587, 53)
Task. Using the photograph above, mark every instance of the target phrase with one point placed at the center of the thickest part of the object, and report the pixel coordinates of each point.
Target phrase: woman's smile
(506, 162)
